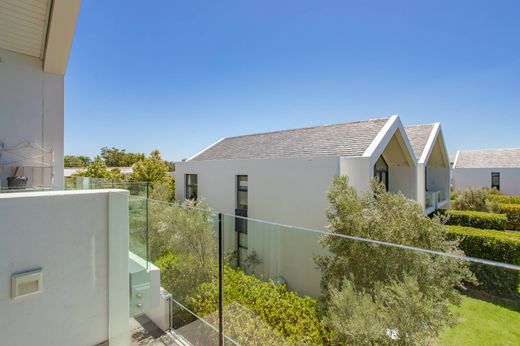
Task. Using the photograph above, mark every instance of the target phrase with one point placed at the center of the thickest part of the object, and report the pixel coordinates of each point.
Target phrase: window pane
(242, 182)
(242, 199)
(191, 179)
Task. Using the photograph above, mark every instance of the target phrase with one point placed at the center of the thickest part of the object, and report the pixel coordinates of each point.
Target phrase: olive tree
(380, 294)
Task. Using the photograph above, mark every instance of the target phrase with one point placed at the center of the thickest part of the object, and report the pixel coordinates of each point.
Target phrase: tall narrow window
(381, 171)
(191, 186)
(240, 221)
(495, 180)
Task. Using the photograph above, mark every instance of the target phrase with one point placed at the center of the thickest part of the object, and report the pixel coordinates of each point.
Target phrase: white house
(433, 165)
(283, 177)
(499, 168)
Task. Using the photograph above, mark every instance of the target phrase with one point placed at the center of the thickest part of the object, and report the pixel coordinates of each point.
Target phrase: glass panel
(242, 199)
(184, 245)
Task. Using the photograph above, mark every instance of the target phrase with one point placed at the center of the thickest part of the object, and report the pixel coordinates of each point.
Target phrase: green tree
(115, 157)
(155, 170)
(378, 294)
(96, 169)
(72, 161)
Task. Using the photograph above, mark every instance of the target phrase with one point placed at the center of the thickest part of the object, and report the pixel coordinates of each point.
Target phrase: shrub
(505, 199)
(500, 246)
(290, 316)
(477, 219)
(513, 215)
(369, 288)
(473, 199)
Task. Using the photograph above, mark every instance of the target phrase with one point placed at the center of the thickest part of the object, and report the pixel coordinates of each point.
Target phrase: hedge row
(477, 219)
(505, 199)
(513, 215)
(500, 246)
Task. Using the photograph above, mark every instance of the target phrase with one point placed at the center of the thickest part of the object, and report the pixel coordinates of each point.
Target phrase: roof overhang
(62, 22)
(436, 138)
(392, 129)
(42, 29)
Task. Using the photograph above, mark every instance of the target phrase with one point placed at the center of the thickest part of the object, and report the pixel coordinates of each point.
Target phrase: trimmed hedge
(500, 246)
(505, 199)
(477, 219)
(513, 215)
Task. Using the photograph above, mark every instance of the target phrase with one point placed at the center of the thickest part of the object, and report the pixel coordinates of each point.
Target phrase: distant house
(283, 177)
(433, 165)
(498, 168)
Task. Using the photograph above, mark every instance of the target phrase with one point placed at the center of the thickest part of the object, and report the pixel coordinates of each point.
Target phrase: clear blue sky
(179, 75)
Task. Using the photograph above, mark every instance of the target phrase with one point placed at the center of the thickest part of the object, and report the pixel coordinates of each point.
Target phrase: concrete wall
(481, 177)
(77, 238)
(31, 109)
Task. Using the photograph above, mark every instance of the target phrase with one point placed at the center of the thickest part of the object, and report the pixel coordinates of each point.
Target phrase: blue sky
(179, 75)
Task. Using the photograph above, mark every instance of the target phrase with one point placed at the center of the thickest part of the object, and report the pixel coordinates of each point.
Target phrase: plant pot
(17, 182)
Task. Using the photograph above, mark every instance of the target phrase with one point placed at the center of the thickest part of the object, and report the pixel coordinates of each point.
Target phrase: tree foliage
(475, 200)
(377, 294)
(72, 161)
(156, 171)
(115, 157)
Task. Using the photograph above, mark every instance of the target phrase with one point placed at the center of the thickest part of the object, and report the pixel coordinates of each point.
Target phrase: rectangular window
(191, 186)
(495, 180)
(242, 192)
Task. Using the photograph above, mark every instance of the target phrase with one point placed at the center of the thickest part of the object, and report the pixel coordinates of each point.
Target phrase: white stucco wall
(481, 177)
(31, 109)
(80, 241)
(289, 191)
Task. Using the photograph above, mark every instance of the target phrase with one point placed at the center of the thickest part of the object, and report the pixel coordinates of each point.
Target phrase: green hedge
(280, 313)
(513, 215)
(505, 199)
(477, 219)
(500, 246)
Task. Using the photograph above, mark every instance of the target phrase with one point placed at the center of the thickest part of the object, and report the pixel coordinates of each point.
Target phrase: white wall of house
(290, 191)
(31, 109)
(80, 241)
(481, 177)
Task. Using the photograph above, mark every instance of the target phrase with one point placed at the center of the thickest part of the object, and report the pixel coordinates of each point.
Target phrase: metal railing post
(220, 282)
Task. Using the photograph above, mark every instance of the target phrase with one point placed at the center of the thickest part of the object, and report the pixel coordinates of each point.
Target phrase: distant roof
(347, 139)
(488, 158)
(418, 136)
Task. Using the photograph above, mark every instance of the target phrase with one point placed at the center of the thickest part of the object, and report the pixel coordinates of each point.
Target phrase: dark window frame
(188, 187)
(497, 176)
(378, 171)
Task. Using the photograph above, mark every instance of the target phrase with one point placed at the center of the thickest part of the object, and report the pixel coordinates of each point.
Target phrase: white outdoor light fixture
(26, 283)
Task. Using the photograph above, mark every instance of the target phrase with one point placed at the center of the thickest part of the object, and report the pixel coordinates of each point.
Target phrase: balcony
(207, 292)
(435, 200)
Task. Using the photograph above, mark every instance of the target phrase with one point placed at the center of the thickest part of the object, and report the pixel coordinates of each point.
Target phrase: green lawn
(483, 323)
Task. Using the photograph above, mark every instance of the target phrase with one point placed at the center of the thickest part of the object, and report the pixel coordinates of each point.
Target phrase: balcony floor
(145, 332)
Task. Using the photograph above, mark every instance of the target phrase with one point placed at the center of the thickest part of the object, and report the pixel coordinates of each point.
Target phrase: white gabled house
(492, 168)
(283, 177)
(433, 165)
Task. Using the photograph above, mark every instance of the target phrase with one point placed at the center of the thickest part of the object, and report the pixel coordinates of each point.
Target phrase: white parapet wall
(79, 241)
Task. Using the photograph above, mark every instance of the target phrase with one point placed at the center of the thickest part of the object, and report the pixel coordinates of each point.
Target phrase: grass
(482, 323)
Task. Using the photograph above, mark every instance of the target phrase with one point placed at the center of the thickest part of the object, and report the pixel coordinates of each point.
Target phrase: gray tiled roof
(418, 136)
(348, 139)
(489, 158)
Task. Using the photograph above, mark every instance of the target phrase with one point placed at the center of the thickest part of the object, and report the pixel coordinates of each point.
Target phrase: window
(191, 186)
(495, 180)
(241, 222)
(242, 192)
(381, 171)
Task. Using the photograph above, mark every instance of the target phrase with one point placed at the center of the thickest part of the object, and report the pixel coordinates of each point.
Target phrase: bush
(473, 199)
(505, 199)
(370, 288)
(513, 215)
(285, 313)
(500, 246)
(477, 219)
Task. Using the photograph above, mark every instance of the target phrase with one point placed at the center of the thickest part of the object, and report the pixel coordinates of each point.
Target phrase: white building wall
(359, 171)
(290, 191)
(32, 109)
(67, 235)
(402, 179)
(481, 177)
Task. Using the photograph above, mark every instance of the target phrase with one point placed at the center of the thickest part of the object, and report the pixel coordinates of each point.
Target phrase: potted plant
(16, 181)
